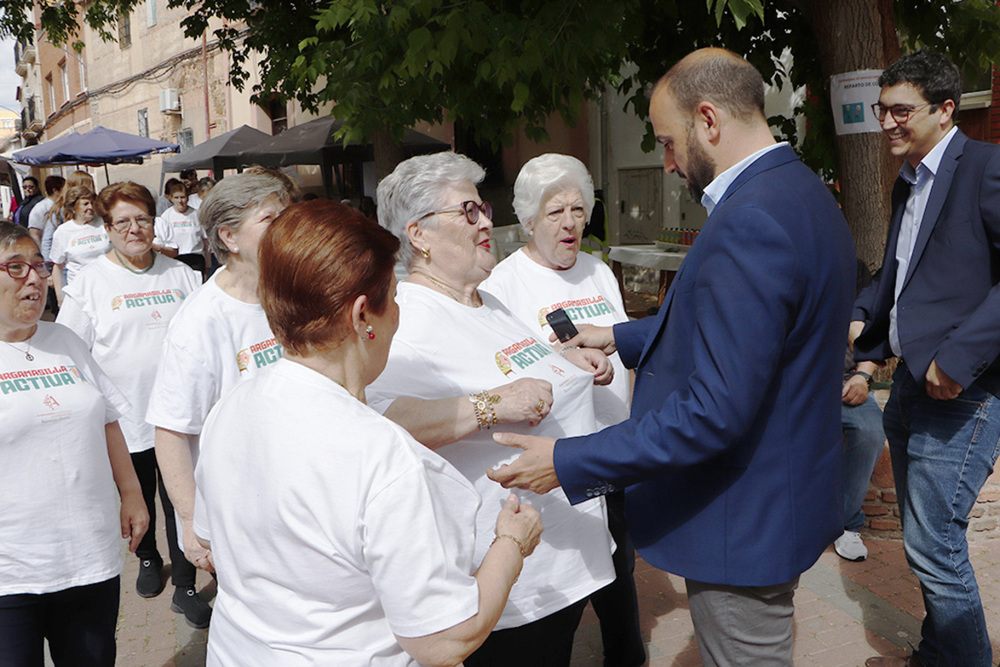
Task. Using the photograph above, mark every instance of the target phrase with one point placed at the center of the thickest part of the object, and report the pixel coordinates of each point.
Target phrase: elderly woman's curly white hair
(545, 176)
(416, 187)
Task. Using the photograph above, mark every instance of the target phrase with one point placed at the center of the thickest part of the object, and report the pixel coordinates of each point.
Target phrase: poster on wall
(852, 95)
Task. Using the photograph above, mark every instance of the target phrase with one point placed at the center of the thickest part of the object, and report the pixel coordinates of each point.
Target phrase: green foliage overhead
(500, 65)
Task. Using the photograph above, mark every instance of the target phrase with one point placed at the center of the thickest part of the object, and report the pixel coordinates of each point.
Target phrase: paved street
(845, 612)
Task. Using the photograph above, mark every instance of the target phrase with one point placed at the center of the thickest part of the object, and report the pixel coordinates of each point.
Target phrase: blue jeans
(942, 453)
(864, 440)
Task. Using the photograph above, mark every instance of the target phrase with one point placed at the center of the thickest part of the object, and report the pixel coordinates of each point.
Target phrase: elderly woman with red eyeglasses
(460, 365)
(63, 457)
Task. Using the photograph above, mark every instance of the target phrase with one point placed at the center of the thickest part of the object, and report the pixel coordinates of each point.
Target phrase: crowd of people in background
(334, 444)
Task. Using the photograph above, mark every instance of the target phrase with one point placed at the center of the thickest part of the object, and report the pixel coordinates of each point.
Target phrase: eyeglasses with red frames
(470, 208)
(19, 270)
(899, 112)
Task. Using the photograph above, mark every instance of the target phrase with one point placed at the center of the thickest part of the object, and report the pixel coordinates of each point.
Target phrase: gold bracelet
(520, 547)
(483, 403)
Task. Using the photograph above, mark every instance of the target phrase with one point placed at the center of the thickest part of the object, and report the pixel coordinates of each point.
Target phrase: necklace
(152, 260)
(27, 353)
(454, 294)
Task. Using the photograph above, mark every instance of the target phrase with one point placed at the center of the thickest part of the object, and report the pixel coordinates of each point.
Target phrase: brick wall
(882, 513)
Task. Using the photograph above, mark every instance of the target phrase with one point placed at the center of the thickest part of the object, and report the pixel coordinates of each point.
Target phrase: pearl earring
(370, 332)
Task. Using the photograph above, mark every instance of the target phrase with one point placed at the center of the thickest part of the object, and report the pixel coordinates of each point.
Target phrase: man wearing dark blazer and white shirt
(732, 458)
(935, 305)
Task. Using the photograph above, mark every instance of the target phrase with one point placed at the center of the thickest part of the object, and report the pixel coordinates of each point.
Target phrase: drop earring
(370, 332)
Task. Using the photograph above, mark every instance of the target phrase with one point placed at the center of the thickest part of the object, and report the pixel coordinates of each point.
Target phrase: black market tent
(218, 153)
(314, 143)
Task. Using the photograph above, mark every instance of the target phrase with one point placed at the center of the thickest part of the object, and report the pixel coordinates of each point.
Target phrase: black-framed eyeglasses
(900, 112)
(19, 270)
(122, 225)
(470, 208)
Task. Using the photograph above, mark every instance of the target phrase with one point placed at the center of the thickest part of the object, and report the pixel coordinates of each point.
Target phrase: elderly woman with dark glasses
(461, 364)
(63, 455)
(120, 305)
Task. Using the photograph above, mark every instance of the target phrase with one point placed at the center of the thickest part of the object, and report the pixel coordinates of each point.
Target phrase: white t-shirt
(77, 245)
(59, 522)
(123, 317)
(213, 343)
(444, 349)
(331, 528)
(587, 291)
(188, 236)
(194, 201)
(36, 219)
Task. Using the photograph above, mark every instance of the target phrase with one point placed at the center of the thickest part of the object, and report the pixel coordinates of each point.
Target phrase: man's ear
(707, 120)
(947, 109)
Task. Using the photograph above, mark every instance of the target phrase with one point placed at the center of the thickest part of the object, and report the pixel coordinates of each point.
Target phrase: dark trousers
(617, 605)
(195, 260)
(79, 624)
(547, 642)
(182, 573)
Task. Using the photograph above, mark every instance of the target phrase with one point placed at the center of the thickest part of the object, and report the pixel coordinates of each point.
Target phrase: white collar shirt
(717, 188)
(921, 182)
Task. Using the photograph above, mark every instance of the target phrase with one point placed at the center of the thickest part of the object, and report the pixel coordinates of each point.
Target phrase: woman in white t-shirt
(120, 305)
(460, 364)
(339, 540)
(63, 455)
(219, 338)
(553, 199)
(80, 240)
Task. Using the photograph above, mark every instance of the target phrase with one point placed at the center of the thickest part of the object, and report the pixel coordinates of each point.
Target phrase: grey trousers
(740, 626)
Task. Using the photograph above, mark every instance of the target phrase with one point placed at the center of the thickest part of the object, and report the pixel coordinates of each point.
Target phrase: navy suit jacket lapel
(770, 160)
(939, 193)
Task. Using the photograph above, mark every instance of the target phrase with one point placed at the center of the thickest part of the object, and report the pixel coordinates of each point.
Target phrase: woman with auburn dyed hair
(120, 305)
(356, 545)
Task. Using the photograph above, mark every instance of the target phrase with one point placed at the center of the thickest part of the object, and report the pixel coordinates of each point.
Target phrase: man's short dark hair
(54, 184)
(189, 173)
(717, 76)
(931, 73)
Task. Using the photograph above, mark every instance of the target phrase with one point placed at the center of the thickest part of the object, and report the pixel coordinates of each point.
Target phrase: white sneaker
(850, 547)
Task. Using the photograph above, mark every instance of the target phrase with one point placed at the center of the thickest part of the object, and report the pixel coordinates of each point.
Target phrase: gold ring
(541, 406)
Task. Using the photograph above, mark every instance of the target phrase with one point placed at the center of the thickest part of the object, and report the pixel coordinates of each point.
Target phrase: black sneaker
(149, 583)
(196, 611)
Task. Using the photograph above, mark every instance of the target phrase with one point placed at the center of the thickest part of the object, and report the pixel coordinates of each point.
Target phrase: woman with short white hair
(461, 364)
(553, 200)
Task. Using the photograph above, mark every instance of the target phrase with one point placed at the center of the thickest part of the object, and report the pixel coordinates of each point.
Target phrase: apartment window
(124, 30)
(150, 13)
(52, 93)
(83, 72)
(143, 122)
(185, 138)
(277, 110)
(64, 76)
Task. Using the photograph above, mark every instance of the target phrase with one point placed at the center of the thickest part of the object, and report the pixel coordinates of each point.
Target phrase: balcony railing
(24, 55)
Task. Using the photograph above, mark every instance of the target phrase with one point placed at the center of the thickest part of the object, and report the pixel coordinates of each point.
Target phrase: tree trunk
(387, 153)
(855, 35)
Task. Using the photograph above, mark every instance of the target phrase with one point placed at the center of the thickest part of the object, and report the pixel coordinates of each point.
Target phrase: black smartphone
(561, 324)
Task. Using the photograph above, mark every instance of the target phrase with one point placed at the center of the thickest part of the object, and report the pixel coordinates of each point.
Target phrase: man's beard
(701, 168)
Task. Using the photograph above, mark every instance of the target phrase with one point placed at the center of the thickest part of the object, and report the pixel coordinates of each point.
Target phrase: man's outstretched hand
(533, 470)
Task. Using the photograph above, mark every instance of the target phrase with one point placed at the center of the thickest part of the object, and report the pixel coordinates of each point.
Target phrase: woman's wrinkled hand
(593, 361)
(526, 399)
(521, 521)
(134, 519)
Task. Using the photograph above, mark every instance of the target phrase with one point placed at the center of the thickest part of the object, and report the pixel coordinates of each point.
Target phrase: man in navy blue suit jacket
(732, 457)
(935, 305)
